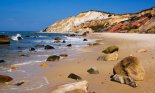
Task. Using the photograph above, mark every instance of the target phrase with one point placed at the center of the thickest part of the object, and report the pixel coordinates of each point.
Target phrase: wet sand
(129, 44)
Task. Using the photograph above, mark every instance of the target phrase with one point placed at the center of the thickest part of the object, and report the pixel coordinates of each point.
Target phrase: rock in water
(57, 38)
(64, 55)
(69, 45)
(63, 41)
(32, 49)
(44, 65)
(93, 70)
(124, 80)
(2, 61)
(53, 58)
(110, 49)
(4, 78)
(85, 40)
(77, 87)
(130, 66)
(108, 57)
(4, 39)
(74, 76)
(49, 47)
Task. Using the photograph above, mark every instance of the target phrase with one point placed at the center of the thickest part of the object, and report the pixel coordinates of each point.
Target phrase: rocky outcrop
(4, 78)
(4, 39)
(130, 66)
(96, 21)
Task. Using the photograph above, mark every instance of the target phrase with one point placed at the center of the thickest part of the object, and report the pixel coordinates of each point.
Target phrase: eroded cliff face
(95, 21)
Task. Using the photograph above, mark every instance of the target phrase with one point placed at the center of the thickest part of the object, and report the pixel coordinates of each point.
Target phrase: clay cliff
(96, 21)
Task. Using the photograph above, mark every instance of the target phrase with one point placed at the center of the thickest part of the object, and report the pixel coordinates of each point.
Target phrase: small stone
(142, 50)
(57, 38)
(85, 40)
(74, 76)
(13, 67)
(19, 84)
(110, 49)
(32, 49)
(63, 41)
(69, 45)
(93, 70)
(49, 47)
(44, 65)
(53, 58)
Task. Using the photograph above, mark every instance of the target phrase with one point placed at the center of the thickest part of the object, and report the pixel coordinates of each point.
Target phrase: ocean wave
(17, 37)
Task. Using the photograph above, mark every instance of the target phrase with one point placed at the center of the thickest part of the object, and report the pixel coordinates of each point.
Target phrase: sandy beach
(129, 44)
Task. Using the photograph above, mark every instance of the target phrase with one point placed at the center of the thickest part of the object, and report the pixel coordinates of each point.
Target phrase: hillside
(96, 21)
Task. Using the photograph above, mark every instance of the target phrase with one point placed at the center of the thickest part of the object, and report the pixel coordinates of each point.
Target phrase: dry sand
(100, 83)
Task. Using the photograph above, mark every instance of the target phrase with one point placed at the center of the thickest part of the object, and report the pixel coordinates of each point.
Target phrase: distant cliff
(96, 21)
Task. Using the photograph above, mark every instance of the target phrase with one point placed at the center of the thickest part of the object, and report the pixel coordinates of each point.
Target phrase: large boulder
(110, 49)
(130, 66)
(4, 39)
(4, 78)
(53, 58)
(76, 87)
(108, 57)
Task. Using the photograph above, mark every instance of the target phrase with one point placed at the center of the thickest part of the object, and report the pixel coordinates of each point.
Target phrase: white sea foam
(16, 37)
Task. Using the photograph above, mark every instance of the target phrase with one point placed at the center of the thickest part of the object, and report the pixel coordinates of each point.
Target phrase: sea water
(12, 55)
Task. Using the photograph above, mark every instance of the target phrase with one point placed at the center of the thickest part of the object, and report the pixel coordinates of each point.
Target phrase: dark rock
(19, 84)
(85, 40)
(32, 49)
(110, 49)
(49, 47)
(19, 38)
(2, 61)
(4, 39)
(27, 36)
(69, 45)
(57, 38)
(85, 33)
(4, 78)
(93, 70)
(74, 76)
(23, 55)
(72, 35)
(63, 41)
(53, 58)
(57, 41)
(64, 55)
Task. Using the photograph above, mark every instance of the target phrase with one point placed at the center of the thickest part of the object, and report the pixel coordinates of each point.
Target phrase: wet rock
(4, 39)
(77, 87)
(32, 49)
(64, 55)
(93, 70)
(85, 40)
(63, 41)
(53, 58)
(110, 49)
(49, 47)
(5, 78)
(57, 38)
(69, 45)
(2, 61)
(74, 76)
(85, 33)
(19, 84)
(44, 65)
(124, 80)
(108, 57)
(14, 67)
(130, 66)
(94, 44)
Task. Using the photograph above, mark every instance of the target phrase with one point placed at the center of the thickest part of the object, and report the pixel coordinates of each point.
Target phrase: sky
(35, 15)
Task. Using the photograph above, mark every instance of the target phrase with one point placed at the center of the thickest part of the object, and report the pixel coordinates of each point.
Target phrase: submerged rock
(44, 65)
(108, 57)
(110, 49)
(93, 70)
(4, 39)
(130, 66)
(74, 76)
(64, 55)
(124, 80)
(49, 47)
(2, 61)
(32, 49)
(69, 45)
(77, 87)
(4, 78)
(53, 58)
